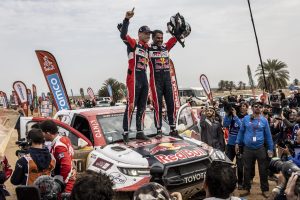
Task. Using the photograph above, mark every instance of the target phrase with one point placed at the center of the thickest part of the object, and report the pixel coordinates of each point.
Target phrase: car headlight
(134, 171)
(217, 155)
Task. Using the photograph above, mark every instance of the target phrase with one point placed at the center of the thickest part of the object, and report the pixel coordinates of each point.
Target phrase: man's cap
(257, 103)
(144, 29)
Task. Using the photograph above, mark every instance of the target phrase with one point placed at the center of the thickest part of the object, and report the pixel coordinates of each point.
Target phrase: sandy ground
(12, 147)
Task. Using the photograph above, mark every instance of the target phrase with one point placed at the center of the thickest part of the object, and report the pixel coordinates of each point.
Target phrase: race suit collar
(55, 139)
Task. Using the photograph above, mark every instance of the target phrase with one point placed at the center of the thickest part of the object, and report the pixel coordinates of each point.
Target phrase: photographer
(296, 158)
(275, 103)
(233, 122)
(220, 181)
(37, 162)
(102, 187)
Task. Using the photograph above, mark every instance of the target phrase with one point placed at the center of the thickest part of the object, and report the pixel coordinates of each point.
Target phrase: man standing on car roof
(136, 81)
(160, 80)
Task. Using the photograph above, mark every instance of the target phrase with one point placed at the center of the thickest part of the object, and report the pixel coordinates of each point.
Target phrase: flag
(21, 91)
(54, 79)
(206, 86)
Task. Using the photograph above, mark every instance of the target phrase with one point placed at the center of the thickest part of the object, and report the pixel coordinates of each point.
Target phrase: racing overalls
(160, 82)
(63, 152)
(136, 81)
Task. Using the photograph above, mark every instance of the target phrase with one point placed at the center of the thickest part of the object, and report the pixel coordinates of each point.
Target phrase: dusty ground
(12, 147)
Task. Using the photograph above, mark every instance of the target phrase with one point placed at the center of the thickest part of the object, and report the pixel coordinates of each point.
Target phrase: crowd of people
(269, 129)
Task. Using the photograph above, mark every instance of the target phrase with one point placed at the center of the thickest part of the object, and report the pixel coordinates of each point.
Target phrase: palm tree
(296, 81)
(240, 84)
(231, 85)
(276, 73)
(251, 81)
(118, 89)
(81, 92)
(244, 86)
(221, 85)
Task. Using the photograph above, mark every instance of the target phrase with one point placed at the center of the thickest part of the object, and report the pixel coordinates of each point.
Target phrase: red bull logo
(181, 155)
(167, 146)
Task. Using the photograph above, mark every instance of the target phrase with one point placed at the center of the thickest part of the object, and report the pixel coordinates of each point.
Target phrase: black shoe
(174, 133)
(265, 194)
(240, 187)
(125, 138)
(141, 136)
(159, 133)
(247, 193)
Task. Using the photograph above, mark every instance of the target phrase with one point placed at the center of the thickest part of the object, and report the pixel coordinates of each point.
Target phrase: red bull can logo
(167, 146)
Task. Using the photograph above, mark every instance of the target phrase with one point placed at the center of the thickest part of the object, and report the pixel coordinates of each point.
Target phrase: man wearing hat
(136, 81)
(253, 133)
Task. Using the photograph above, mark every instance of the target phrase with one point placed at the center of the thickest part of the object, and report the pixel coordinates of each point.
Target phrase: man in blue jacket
(253, 134)
(233, 122)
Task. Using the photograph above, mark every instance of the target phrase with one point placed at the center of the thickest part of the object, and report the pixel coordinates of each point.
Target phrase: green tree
(221, 84)
(118, 89)
(251, 81)
(277, 75)
(295, 81)
(231, 85)
(240, 85)
(81, 92)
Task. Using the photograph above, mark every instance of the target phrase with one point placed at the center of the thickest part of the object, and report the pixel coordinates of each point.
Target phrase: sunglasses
(256, 106)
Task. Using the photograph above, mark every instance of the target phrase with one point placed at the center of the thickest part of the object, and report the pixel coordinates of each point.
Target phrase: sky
(83, 37)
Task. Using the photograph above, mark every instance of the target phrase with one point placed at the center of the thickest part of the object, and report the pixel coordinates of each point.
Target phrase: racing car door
(187, 123)
(82, 146)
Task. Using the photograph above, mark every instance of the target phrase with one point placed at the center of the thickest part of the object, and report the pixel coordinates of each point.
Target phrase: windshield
(193, 93)
(112, 126)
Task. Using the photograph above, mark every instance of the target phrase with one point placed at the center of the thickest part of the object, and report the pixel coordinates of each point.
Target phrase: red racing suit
(136, 81)
(160, 82)
(63, 152)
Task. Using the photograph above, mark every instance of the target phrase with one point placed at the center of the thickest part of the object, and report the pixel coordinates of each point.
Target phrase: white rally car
(96, 135)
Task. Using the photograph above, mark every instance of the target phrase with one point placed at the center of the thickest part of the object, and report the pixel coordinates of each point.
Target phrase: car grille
(185, 173)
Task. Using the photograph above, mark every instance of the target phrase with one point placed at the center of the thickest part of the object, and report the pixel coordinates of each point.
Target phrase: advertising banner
(35, 97)
(29, 97)
(54, 80)
(21, 91)
(91, 93)
(206, 86)
(16, 100)
(3, 99)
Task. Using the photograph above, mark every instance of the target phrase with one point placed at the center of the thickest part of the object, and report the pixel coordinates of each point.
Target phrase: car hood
(166, 150)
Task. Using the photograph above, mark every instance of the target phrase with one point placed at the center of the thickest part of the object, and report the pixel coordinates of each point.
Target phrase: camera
(286, 112)
(287, 168)
(24, 146)
(50, 187)
(229, 106)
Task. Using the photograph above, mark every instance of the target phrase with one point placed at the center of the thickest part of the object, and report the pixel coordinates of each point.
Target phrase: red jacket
(63, 152)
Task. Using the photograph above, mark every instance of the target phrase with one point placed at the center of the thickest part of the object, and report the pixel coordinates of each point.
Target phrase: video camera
(44, 188)
(229, 106)
(287, 168)
(24, 146)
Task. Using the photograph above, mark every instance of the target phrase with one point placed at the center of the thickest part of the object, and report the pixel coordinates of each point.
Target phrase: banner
(110, 93)
(21, 90)
(206, 87)
(29, 97)
(3, 99)
(91, 93)
(15, 96)
(35, 97)
(174, 87)
(81, 93)
(54, 80)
